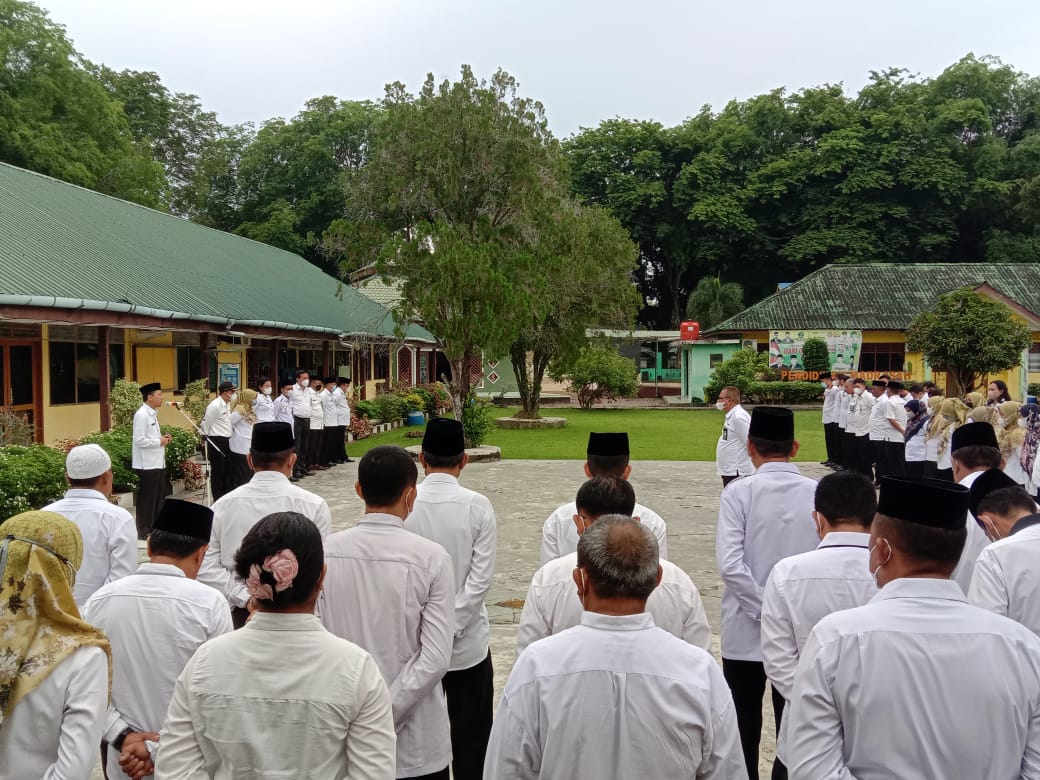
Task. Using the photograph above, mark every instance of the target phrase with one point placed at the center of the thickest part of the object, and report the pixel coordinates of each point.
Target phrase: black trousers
(152, 489)
(895, 458)
(442, 775)
(944, 474)
(915, 469)
(852, 456)
(727, 478)
(239, 472)
(470, 693)
(302, 432)
(218, 450)
(313, 450)
(931, 469)
(832, 439)
(747, 683)
(878, 452)
(863, 462)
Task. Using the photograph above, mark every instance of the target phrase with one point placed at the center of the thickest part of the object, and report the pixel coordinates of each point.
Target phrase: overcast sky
(586, 60)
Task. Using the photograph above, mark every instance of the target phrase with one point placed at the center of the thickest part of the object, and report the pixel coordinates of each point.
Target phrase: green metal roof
(67, 247)
(880, 296)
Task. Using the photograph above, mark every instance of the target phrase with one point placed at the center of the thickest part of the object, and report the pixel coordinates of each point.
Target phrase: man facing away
(804, 588)
(392, 593)
(731, 452)
(108, 530)
(973, 450)
(762, 518)
(462, 521)
(552, 605)
(155, 620)
(915, 683)
(1005, 578)
(615, 696)
(607, 455)
(271, 457)
(148, 452)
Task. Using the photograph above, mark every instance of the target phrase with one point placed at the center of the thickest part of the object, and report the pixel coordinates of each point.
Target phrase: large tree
(448, 194)
(56, 117)
(968, 335)
(713, 301)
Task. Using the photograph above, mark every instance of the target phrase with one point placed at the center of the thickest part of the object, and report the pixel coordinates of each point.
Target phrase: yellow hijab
(245, 404)
(951, 415)
(1013, 434)
(40, 624)
(976, 400)
(991, 415)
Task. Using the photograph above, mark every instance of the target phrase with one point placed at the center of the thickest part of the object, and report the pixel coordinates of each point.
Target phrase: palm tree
(713, 301)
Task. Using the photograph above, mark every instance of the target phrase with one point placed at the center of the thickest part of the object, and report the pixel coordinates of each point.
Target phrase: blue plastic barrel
(415, 418)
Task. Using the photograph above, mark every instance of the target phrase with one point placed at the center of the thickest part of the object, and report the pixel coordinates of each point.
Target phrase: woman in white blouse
(54, 667)
(264, 403)
(282, 697)
(243, 416)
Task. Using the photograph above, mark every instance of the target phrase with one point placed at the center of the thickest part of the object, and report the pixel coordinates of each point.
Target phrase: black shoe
(294, 479)
(349, 460)
(306, 473)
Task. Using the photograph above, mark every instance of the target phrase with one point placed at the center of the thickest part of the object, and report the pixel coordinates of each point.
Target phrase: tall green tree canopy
(713, 301)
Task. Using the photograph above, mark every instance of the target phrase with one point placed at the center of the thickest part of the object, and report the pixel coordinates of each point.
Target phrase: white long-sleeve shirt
(461, 521)
(895, 411)
(831, 397)
(1007, 575)
(973, 545)
(342, 405)
(235, 513)
(241, 434)
(552, 604)
(217, 420)
(615, 697)
(843, 410)
(328, 407)
(879, 427)
(860, 407)
(317, 410)
(560, 536)
(53, 733)
(283, 409)
(155, 619)
(147, 452)
(762, 519)
(280, 698)
(109, 539)
(392, 593)
(263, 408)
(912, 685)
(731, 455)
(300, 398)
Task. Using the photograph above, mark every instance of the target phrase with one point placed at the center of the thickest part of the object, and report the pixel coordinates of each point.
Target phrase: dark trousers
(850, 453)
(313, 450)
(239, 616)
(302, 432)
(218, 450)
(335, 437)
(727, 478)
(747, 683)
(470, 693)
(239, 472)
(931, 469)
(895, 458)
(946, 474)
(442, 775)
(915, 469)
(863, 462)
(832, 438)
(152, 489)
(877, 451)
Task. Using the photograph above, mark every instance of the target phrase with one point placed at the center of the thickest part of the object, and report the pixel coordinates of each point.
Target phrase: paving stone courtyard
(685, 494)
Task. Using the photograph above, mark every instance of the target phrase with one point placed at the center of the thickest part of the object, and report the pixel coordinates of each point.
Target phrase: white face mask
(858, 391)
(234, 397)
(1023, 422)
(874, 573)
(266, 390)
(305, 382)
(720, 405)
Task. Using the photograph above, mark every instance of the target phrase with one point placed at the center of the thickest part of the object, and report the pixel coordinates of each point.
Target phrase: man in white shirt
(148, 459)
(762, 518)
(857, 435)
(830, 418)
(804, 588)
(607, 456)
(216, 425)
(879, 428)
(912, 684)
(731, 452)
(392, 592)
(843, 418)
(155, 620)
(895, 415)
(615, 696)
(341, 400)
(330, 422)
(973, 449)
(271, 457)
(1004, 580)
(108, 530)
(462, 521)
(300, 404)
(283, 403)
(552, 603)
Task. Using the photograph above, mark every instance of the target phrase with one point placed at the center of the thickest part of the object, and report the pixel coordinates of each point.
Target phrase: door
(18, 383)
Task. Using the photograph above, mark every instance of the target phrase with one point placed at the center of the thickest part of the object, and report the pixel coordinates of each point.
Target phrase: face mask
(720, 406)
(824, 385)
(858, 391)
(1023, 422)
(305, 382)
(874, 573)
(266, 391)
(234, 397)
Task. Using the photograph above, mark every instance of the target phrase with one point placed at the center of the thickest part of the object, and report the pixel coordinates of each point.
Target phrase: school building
(862, 312)
(93, 288)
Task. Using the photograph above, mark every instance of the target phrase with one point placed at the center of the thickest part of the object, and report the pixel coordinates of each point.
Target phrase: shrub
(1033, 389)
(15, 429)
(30, 478)
(415, 402)
(744, 367)
(367, 409)
(118, 443)
(182, 447)
(815, 355)
(390, 407)
(478, 420)
(783, 393)
(360, 428)
(429, 400)
(196, 399)
(598, 373)
(124, 401)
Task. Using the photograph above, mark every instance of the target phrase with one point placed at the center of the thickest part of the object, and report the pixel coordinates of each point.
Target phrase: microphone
(174, 404)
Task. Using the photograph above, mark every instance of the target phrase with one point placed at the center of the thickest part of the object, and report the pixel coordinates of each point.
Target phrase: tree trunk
(459, 386)
(518, 359)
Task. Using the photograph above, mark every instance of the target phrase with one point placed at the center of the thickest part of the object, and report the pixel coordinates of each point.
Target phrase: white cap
(87, 461)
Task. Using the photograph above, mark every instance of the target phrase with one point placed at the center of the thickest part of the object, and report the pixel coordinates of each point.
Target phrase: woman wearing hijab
(951, 416)
(243, 416)
(914, 436)
(1030, 420)
(931, 443)
(997, 393)
(282, 697)
(974, 400)
(54, 667)
(1011, 436)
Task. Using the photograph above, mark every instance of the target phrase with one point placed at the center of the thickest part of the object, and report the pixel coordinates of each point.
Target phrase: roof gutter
(52, 302)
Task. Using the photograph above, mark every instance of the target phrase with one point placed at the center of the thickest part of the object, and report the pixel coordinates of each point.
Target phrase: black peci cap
(937, 503)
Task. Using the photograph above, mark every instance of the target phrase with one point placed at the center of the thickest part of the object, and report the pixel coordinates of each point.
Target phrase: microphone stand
(206, 444)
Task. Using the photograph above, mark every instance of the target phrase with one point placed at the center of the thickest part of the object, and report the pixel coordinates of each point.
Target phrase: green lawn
(654, 434)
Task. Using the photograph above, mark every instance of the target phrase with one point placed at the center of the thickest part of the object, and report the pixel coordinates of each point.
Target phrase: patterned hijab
(975, 400)
(40, 624)
(1013, 435)
(1027, 455)
(917, 416)
(244, 406)
(950, 417)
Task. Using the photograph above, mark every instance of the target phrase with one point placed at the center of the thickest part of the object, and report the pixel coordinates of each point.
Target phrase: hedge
(118, 443)
(1033, 389)
(30, 477)
(783, 393)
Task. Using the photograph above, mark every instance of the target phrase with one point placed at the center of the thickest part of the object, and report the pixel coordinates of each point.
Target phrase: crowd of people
(896, 628)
